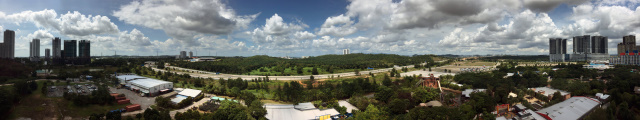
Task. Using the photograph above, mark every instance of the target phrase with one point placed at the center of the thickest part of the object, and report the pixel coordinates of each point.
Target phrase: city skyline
(311, 28)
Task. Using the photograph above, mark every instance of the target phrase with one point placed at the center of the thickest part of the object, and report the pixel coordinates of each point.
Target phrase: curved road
(206, 74)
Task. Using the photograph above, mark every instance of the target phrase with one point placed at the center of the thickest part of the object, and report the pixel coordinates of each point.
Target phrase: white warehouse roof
(571, 109)
(148, 82)
(190, 92)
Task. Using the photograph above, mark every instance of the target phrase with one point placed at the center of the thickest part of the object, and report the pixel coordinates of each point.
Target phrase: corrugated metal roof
(570, 109)
(147, 83)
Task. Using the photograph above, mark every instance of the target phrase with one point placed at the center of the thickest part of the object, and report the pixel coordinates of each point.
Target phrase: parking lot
(58, 91)
(135, 98)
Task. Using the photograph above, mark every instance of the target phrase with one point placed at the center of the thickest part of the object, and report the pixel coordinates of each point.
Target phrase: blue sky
(317, 27)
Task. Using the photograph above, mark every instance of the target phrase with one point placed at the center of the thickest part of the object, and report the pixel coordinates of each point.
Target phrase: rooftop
(549, 91)
(287, 112)
(467, 92)
(190, 92)
(148, 83)
(571, 109)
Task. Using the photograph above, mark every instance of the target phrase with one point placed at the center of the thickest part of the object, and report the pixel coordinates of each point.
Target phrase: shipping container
(133, 107)
(125, 101)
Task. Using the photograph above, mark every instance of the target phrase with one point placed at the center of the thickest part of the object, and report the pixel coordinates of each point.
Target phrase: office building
(84, 49)
(70, 48)
(56, 47)
(345, 51)
(47, 54)
(34, 50)
(557, 50)
(183, 54)
(190, 54)
(588, 48)
(7, 47)
(84, 52)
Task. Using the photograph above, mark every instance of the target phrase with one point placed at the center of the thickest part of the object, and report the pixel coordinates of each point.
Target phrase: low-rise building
(546, 91)
(574, 108)
(145, 86)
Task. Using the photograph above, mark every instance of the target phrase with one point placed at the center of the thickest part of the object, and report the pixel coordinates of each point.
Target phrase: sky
(317, 27)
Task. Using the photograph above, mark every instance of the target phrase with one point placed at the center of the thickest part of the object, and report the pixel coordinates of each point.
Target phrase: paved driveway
(135, 98)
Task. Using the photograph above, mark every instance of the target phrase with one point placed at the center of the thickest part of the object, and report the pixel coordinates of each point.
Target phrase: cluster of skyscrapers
(346, 51)
(585, 48)
(73, 53)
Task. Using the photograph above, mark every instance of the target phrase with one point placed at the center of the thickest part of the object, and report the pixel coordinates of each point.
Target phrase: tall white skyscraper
(34, 50)
(346, 51)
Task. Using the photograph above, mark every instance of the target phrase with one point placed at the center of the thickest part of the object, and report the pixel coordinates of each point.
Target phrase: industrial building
(558, 50)
(34, 50)
(574, 108)
(145, 86)
(7, 47)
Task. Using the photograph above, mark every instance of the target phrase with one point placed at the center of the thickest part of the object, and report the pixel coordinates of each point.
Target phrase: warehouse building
(143, 85)
(574, 108)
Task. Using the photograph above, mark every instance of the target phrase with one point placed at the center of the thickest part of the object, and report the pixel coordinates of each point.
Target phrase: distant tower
(56, 46)
(47, 54)
(345, 51)
(34, 50)
(557, 49)
(70, 49)
(84, 48)
(7, 48)
(190, 54)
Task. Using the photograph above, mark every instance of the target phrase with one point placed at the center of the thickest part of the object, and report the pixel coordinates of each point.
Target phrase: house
(430, 81)
(574, 108)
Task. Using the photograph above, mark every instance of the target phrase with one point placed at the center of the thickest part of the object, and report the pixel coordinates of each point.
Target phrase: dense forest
(239, 65)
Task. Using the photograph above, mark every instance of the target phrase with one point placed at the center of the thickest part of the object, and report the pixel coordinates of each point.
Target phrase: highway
(206, 74)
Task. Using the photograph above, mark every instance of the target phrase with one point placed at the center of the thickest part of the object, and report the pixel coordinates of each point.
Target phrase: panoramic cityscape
(320, 60)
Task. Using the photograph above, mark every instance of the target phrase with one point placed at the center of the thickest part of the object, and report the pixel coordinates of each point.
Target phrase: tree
(314, 71)
(372, 113)
(423, 95)
(429, 69)
(341, 109)
(299, 69)
(383, 94)
(386, 81)
(357, 72)
(231, 111)
(257, 111)
(398, 106)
